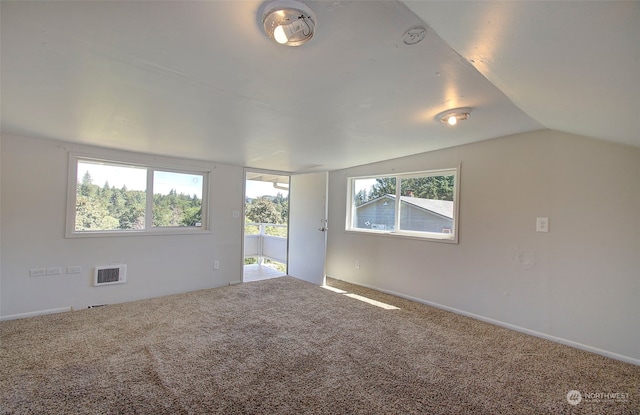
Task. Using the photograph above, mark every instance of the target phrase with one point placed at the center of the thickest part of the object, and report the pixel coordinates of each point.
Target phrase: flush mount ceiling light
(289, 22)
(452, 116)
(414, 35)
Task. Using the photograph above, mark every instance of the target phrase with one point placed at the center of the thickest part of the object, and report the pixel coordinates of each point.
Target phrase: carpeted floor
(284, 346)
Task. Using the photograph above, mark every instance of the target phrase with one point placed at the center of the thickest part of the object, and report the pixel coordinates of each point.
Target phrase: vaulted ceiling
(199, 79)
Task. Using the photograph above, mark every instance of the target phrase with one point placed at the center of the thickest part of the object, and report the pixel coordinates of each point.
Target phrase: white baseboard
(35, 313)
(612, 355)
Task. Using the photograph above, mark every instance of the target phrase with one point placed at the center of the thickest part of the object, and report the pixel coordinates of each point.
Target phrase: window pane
(177, 199)
(426, 204)
(374, 203)
(426, 207)
(110, 197)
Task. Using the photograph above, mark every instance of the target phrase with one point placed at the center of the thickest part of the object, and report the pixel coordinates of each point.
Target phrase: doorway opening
(266, 225)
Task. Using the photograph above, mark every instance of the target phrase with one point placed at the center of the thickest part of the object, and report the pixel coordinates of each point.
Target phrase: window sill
(144, 232)
(422, 236)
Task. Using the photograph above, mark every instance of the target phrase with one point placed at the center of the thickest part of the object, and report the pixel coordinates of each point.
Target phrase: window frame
(149, 229)
(422, 235)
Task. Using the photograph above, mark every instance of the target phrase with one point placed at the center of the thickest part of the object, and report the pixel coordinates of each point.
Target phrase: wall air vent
(110, 274)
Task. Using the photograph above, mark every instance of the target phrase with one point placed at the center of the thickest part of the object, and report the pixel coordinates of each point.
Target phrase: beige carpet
(284, 346)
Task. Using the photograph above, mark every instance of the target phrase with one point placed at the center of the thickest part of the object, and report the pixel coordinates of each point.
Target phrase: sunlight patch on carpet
(335, 290)
(373, 302)
(362, 298)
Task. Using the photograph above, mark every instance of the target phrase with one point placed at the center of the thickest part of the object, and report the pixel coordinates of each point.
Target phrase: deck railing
(264, 246)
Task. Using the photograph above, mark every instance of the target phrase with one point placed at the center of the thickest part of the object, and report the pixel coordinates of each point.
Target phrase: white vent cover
(110, 274)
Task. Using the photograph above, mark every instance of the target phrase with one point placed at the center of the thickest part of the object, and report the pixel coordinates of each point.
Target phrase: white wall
(33, 203)
(578, 284)
(0, 224)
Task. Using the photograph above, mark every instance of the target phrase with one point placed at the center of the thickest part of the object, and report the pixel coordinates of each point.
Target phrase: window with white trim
(419, 204)
(108, 197)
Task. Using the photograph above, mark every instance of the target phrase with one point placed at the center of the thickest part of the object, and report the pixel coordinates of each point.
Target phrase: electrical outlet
(74, 269)
(216, 264)
(54, 271)
(357, 264)
(542, 225)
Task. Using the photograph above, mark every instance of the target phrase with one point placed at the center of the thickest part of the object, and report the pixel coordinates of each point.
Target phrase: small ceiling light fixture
(289, 22)
(414, 35)
(452, 116)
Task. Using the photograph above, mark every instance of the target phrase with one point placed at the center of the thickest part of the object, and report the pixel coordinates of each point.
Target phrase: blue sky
(136, 178)
(256, 188)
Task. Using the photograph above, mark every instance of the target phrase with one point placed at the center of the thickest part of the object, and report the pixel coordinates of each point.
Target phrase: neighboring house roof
(440, 207)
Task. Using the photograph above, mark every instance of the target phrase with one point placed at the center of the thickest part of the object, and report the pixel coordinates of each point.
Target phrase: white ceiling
(574, 66)
(199, 79)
